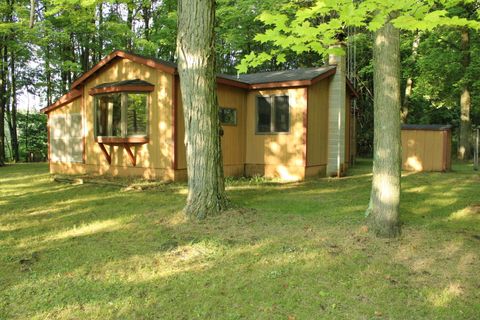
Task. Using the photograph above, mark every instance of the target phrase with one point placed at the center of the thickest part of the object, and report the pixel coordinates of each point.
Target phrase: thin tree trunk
(13, 130)
(196, 67)
(32, 13)
(146, 13)
(129, 44)
(99, 31)
(383, 217)
(48, 75)
(409, 84)
(464, 149)
(3, 100)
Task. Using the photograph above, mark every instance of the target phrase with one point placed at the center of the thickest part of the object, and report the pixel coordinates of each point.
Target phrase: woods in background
(45, 45)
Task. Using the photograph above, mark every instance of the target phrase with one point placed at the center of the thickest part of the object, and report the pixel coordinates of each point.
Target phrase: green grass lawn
(300, 251)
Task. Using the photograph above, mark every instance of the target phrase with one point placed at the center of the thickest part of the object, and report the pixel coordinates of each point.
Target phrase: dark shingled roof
(430, 127)
(279, 76)
(134, 82)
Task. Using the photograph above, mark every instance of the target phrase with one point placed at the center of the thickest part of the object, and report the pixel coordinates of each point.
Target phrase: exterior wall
(282, 154)
(317, 129)
(74, 106)
(426, 150)
(154, 159)
(336, 116)
(233, 140)
(348, 141)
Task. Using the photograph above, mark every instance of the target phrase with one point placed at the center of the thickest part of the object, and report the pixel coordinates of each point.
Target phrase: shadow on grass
(94, 252)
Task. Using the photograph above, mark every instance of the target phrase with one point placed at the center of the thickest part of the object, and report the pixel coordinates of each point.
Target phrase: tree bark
(383, 217)
(130, 14)
(3, 99)
(409, 84)
(464, 146)
(196, 67)
(32, 14)
(13, 111)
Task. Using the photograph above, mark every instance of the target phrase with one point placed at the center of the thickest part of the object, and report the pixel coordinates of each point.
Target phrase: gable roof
(155, 63)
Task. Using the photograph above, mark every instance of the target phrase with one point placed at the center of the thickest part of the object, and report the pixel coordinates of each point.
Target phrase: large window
(273, 114)
(121, 115)
(66, 137)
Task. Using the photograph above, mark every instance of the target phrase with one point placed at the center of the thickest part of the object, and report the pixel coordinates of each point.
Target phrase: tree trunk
(383, 215)
(3, 99)
(13, 116)
(129, 44)
(409, 84)
(100, 32)
(146, 13)
(196, 67)
(32, 14)
(464, 148)
(48, 75)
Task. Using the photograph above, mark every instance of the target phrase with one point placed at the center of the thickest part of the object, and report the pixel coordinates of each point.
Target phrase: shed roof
(429, 127)
(280, 76)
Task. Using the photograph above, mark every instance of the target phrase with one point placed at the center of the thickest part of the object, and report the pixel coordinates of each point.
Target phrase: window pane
(282, 117)
(228, 116)
(117, 116)
(136, 114)
(109, 115)
(264, 114)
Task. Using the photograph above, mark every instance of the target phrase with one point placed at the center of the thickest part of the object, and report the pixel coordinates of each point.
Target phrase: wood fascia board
(127, 88)
(283, 84)
(324, 75)
(65, 99)
(233, 83)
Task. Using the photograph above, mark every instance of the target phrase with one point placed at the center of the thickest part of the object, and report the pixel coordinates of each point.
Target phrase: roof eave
(65, 99)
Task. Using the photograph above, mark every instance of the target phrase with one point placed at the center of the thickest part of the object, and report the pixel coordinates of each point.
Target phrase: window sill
(122, 140)
(271, 133)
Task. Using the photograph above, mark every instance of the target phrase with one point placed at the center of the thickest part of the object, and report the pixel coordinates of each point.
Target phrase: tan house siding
(233, 140)
(317, 128)
(293, 155)
(154, 159)
(281, 154)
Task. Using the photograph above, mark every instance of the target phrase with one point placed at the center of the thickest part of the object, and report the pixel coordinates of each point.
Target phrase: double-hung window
(122, 114)
(273, 114)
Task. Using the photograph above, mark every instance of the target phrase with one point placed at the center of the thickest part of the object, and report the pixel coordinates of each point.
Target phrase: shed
(426, 147)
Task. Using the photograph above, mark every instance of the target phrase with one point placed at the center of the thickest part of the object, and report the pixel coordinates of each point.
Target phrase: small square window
(228, 116)
(273, 114)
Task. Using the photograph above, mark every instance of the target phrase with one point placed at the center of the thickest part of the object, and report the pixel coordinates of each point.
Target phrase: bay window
(122, 114)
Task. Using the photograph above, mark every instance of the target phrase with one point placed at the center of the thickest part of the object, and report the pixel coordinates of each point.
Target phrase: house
(124, 117)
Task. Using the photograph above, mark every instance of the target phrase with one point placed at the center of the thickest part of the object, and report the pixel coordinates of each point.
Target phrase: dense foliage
(46, 44)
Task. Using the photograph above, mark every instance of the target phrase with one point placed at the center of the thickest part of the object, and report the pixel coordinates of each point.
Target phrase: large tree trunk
(383, 215)
(464, 148)
(196, 67)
